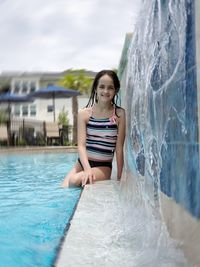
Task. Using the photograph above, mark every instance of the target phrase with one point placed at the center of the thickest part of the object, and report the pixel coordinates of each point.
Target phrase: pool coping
(36, 149)
(84, 242)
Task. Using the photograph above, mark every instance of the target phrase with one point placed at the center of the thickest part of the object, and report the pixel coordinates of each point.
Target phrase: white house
(40, 109)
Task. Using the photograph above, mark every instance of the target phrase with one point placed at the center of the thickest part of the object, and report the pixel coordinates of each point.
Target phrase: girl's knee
(74, 181)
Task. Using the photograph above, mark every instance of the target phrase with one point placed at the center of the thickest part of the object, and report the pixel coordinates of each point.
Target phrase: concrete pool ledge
(90, 240)
(36, 149)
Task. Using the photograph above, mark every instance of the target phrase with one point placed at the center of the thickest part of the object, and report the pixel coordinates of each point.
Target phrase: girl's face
(105, 89)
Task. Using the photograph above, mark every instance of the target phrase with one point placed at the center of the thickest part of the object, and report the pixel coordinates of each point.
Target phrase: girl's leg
(76, 169)
(101, 173)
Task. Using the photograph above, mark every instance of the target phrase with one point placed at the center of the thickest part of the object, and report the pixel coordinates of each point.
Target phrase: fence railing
(33, 133)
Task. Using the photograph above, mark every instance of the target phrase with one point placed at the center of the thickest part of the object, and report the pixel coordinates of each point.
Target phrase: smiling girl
(101, 132)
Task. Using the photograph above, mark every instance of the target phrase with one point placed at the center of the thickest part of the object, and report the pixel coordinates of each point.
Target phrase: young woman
(101, 132)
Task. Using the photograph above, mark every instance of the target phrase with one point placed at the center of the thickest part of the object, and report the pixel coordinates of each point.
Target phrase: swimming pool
(34, 209)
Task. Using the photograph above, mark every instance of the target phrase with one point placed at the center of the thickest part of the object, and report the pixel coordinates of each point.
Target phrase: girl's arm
(82, 120)
(120, 143)
(83, 116)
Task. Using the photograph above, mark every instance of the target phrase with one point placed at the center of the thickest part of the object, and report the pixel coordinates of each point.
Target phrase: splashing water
(156, 97)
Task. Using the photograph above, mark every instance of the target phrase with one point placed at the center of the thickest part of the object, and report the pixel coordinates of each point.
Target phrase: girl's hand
(88, 175)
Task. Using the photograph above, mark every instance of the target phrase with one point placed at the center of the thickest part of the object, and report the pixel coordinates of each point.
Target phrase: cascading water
(160, 87)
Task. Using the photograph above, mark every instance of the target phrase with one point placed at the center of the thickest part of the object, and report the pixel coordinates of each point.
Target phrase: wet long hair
(116, 82)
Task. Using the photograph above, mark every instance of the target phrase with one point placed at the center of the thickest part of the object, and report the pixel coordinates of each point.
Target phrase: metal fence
(33, 133)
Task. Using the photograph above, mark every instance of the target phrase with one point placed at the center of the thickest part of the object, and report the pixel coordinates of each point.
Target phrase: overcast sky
(55, 35)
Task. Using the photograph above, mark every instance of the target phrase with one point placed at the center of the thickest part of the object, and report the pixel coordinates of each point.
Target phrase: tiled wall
(161, 96)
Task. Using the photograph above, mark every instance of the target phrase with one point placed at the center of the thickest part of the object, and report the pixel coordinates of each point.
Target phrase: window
(17, 110)
(16, 87)
(25, 110)
(25, 87)
(33, 110)
(50, 108)
(32, 87)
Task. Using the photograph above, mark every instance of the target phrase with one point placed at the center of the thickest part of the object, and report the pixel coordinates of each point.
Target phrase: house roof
(7, 76)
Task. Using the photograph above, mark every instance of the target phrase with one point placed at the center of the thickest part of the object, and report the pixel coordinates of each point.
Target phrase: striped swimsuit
(101, 140)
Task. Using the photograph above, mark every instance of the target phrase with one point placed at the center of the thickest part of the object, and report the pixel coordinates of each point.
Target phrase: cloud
(62, 34)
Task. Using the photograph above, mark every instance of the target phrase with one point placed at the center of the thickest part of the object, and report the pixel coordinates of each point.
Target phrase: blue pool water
(34, 209)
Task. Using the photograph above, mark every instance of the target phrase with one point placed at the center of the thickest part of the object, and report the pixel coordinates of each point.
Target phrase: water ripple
(34, 209)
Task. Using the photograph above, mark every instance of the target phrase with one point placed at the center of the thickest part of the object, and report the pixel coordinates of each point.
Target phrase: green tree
(3, 117)
(4, 87)
(77, 80)
(63, 117)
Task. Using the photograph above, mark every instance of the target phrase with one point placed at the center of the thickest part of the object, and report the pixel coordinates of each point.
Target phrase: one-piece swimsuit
(101, 138)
